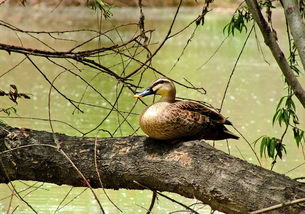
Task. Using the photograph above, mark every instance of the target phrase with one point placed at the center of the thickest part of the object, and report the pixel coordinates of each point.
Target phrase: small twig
(64, 198)
(49, 101)
(234, 67)
(165, 196)
(214, 53)
(12, 68)
(299, 178)
(277, 206)
(241, 154)
(72, 199)
(228, 147)
(259, 47)
(281, 140)
(14, 188)
(10, 204)
(42, 119)
(57, 5)
(161, 44)
(152, 203)
(84, 179)
(249, 144)
(294, 168)
(99, 176)
(184, 48)
(51, 83)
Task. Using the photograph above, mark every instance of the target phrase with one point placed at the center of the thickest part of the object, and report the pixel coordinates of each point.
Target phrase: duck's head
(163, 87)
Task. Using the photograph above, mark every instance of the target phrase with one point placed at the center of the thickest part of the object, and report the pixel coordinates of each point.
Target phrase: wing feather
(202, 110)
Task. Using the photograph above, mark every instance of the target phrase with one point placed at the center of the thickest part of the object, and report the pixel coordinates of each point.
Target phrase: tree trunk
(296, 26)
(193, 169)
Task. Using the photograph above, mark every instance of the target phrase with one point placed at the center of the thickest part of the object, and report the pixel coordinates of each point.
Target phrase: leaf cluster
(285, 110)
(271, 146)
(13, 94)
(102, 6)
(238, 21)
(292, 59)
(285, 115)
(9, 111)
(268, 5)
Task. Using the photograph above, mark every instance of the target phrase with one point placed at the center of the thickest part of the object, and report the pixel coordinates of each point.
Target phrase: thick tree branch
(296, 26)
(271, 41)
(193, 169)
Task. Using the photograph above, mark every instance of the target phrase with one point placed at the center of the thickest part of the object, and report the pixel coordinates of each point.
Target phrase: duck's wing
(206, 112)
(193, 120)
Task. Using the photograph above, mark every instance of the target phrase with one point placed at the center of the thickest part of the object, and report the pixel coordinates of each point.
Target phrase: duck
(170, 119)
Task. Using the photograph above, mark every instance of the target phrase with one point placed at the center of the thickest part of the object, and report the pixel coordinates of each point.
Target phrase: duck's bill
(146, 92)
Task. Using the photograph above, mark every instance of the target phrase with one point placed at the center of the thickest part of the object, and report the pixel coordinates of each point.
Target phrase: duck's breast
(164, 121)
(155, 119)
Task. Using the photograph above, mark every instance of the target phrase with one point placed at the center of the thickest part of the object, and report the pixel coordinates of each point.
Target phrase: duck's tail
(228, 134)
(218, 132)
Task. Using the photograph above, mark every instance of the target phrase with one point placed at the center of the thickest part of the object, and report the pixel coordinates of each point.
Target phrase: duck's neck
(170, 97)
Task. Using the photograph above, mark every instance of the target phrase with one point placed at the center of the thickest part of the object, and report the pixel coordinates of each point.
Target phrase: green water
(250, 102)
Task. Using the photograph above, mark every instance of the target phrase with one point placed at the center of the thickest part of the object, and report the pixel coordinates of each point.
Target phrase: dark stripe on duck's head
(165, 88)
(151, 89)
(160, 81)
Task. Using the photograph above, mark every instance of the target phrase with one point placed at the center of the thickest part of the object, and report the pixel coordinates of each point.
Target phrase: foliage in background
(238, 21)
(12, 95)
(102, 6)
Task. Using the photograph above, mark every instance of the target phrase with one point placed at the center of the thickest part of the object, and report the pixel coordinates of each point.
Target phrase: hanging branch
(271, 41)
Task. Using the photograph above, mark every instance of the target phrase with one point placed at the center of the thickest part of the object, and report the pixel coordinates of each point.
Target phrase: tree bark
(271, 41)
(193, 169)
(296, 26)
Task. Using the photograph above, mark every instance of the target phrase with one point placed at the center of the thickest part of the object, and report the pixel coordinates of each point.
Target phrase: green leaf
(271, 147)
(290, 104)
(9, 111)
(286, 116)
(298, 135)
(280, 117)
(280, 102)
(262, 147)
(283, 148)
(255, 142)
(275, 116)
(238, 21)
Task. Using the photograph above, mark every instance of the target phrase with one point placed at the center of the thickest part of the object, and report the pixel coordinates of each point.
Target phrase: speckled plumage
(169, 119)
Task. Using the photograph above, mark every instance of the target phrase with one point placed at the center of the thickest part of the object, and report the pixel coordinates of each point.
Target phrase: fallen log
(193, 169)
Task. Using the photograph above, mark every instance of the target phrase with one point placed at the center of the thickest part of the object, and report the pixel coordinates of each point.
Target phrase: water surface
(250, 101)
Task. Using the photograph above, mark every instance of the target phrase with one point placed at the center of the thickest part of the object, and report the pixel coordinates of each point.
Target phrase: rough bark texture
(193, 169)
(271, 41)
(296, 26)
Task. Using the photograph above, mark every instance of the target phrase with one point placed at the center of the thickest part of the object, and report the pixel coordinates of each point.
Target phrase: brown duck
(169, 119)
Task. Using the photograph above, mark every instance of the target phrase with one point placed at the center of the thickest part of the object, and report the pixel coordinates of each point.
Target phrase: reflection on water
(250, 103)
